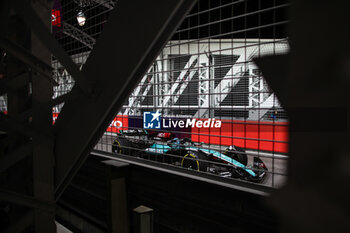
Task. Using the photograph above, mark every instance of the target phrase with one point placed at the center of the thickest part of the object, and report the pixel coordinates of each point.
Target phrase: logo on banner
(117, 124)
(151, 120)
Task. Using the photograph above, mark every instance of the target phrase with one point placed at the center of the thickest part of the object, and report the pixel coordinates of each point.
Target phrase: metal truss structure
(109, 4)
(165, 90)
(79, 35)
(64, 80)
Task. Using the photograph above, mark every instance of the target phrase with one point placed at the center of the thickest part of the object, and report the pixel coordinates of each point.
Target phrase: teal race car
(161, 147)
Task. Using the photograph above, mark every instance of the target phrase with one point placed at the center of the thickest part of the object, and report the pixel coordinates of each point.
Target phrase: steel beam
(136, 97)
(10, 124)
(229, 81)
(28, 113)
(13, 83)
(15, 156)
(28, 62)
(242, 65)
(79, 35)
(25, 200)
(22, 54)
(179, 80)
(43, 147)
(108, 4)
(164, 80)
(257, 113)
(204, 87)
(275, 70)
(115, 68)
(316, 76)
(186, 81)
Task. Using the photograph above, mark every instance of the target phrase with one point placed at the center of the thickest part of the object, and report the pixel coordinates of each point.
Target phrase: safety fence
(204, 103)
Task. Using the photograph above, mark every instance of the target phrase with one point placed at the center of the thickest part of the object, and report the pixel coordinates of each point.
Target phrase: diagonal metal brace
(116, 68)
(275, 70)
(15, 156)
(24, 200)
(33, 62)
(11, 84)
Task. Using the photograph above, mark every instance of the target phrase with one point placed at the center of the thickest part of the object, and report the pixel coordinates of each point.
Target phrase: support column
(116, 201)
(43, 145)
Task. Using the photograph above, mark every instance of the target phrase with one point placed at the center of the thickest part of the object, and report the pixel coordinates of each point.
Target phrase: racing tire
(122, 146)
(194, 160)
(238, 154)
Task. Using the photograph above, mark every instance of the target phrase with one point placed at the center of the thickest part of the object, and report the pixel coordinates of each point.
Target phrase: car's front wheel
(121, 146)
(194, 160)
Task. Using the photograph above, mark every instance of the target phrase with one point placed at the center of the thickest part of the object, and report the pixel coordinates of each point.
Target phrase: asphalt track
(276, 163)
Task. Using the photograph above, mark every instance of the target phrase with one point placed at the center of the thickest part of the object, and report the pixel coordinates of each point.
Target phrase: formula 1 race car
(162, 147)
